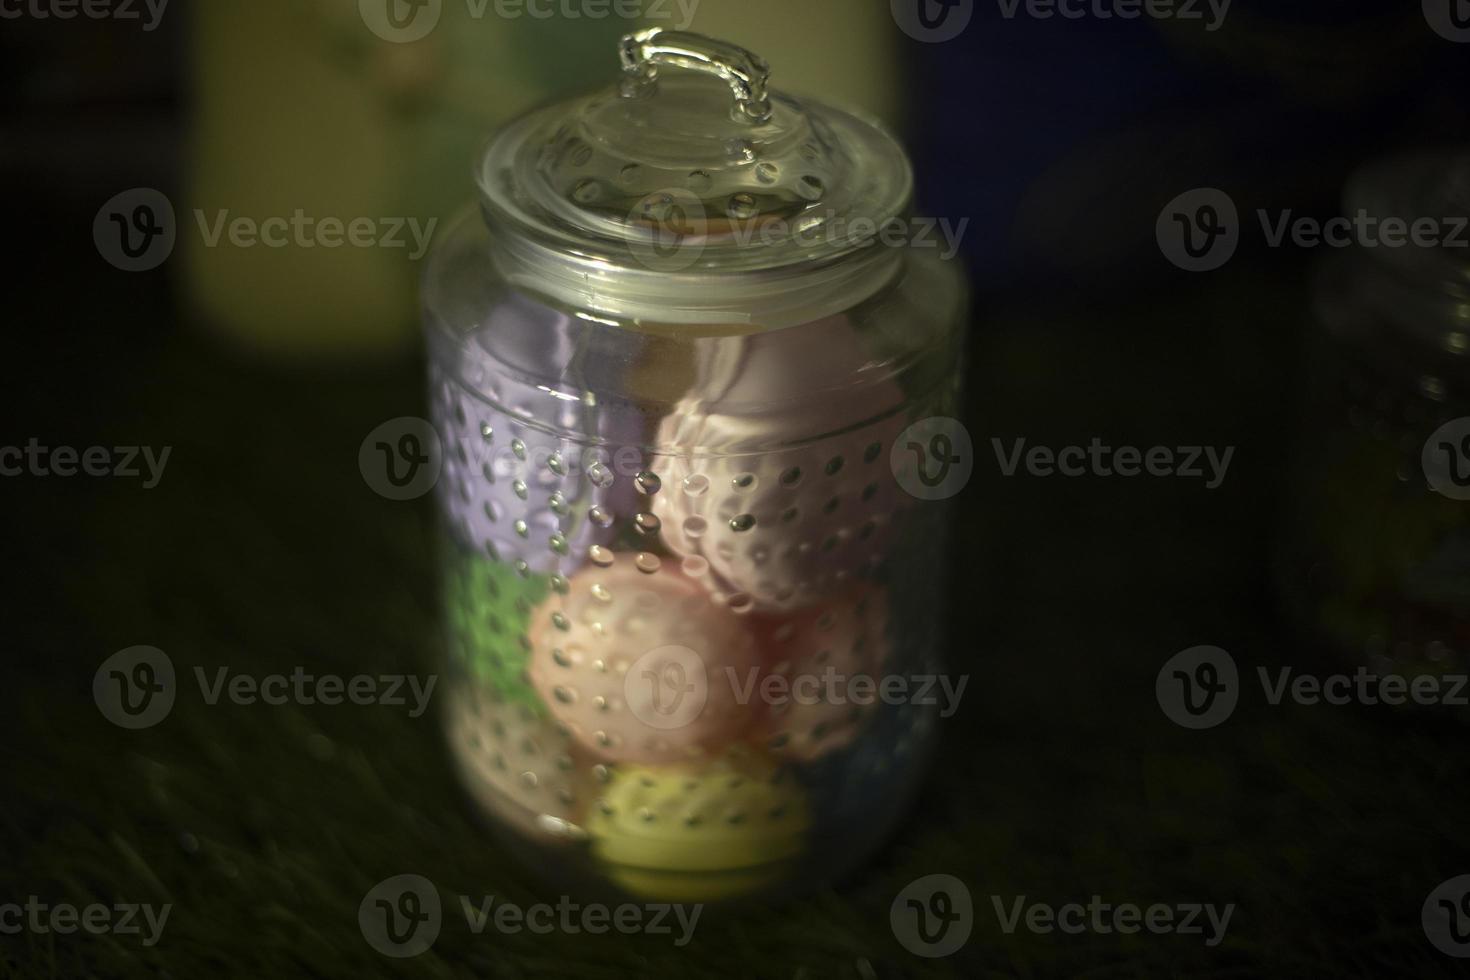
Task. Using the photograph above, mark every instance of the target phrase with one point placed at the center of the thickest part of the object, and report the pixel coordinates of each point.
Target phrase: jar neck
(633, 291)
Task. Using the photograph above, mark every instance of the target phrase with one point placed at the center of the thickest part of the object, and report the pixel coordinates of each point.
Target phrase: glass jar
(1375, 556)
(671, 354)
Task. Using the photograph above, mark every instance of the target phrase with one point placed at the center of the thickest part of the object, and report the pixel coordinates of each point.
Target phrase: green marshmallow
(487, 611)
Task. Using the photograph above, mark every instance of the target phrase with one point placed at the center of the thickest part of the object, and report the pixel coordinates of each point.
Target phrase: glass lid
(690, 192)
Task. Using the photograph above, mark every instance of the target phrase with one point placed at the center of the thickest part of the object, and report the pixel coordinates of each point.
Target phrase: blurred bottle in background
(302, 105)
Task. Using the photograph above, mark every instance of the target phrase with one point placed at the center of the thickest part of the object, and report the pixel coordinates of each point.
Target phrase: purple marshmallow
(529, 473)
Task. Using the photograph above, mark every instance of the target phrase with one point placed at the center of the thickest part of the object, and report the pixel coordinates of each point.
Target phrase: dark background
(262, 548)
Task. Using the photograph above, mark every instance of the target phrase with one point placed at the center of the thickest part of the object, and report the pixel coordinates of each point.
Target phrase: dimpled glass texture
(651, 521)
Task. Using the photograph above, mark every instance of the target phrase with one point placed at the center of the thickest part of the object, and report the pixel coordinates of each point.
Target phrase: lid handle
(747, 74)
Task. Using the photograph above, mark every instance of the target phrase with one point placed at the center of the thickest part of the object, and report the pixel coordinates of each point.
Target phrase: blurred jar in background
(341, 111)
(1375, 555)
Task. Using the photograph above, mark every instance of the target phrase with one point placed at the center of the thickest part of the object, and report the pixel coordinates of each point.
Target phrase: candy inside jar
(678, 564)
